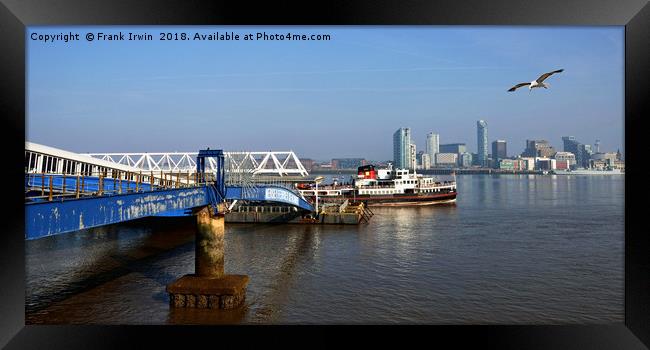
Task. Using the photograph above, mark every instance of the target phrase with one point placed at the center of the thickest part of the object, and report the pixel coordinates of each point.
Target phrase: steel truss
(256, 163)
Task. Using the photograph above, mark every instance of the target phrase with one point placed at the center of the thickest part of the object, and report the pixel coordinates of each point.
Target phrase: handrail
(58, 185)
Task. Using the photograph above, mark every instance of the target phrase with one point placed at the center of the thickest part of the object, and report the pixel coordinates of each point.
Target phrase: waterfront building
(519, 164)
(543, 163)
(506, 164)
(474, 158)
(433, 145)
(482, 142)
(538, 148)
(324, 166)
(447, 159)
(348, 163)
(458, 148)
(599, 164)
(419, 156)
(570, 144)
(402, 148)
(607, 156)
(619, 164)
(426, 161)
(562, 164)
(529, 163)
(582, 152)
(465, 160)
(566, 156)
(585, 155)
(499, 150)
(307, 163)
(412, 157)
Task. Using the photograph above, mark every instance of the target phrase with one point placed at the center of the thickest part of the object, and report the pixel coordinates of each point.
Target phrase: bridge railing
(50, 186)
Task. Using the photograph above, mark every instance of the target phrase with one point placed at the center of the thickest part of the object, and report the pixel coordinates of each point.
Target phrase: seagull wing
(546, 75)
(518, 86)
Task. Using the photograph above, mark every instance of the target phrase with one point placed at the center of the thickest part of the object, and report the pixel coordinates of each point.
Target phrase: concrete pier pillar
(209, 287)
(209, 244)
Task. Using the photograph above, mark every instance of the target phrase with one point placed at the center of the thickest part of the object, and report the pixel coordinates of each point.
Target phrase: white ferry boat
(387, 187)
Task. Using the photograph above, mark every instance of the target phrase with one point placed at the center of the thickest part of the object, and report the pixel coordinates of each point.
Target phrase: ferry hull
(393, 201)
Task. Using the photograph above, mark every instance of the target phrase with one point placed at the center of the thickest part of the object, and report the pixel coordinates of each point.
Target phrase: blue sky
(324, 99)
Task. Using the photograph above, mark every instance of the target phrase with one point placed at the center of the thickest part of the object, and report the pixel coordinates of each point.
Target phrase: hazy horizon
(325, 99)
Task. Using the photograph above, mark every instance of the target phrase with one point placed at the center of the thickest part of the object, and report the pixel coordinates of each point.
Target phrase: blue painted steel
(45, 218)
(176, 213)
(219, 185)
(268, 194)
(59, 216)
(262, 194)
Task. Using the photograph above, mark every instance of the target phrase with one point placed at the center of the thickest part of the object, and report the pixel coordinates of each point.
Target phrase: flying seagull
(539, 82)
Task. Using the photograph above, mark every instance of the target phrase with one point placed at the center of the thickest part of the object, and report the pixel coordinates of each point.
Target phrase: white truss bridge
(256, 163)
(44, 159)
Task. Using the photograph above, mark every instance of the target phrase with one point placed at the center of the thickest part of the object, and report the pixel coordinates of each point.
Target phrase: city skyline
(358, 87)
(570, 147)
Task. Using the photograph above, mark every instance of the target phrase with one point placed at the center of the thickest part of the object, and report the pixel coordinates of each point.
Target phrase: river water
(515, 249)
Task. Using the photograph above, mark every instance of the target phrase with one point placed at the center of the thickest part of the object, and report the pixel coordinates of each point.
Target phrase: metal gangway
(66, 191)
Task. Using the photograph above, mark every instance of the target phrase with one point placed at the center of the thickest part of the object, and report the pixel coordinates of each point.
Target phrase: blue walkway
(45, 218)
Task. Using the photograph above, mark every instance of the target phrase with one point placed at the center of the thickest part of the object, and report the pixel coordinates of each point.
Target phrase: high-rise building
(573, 146)
(419, 156)
(453, 148)
(499, 150)
(402, 148)
(433, 145)
(582, 152)
(482, 142)
(538, 148)
(426, 161)
(569, 143)
(413, 162)
(465, 160)
(419, 159)
(585, 154)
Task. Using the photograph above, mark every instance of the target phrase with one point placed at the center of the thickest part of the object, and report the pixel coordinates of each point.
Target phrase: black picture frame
(15, 15)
